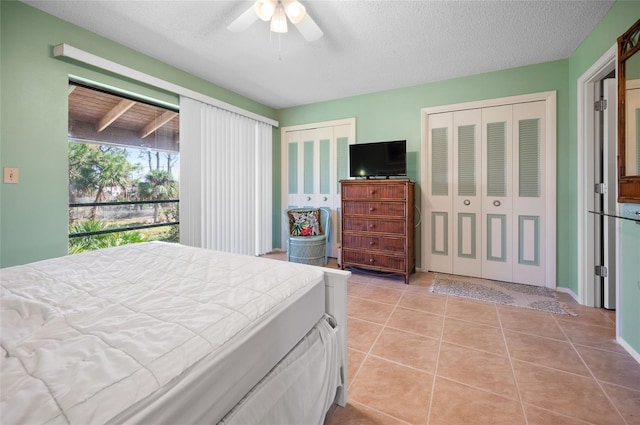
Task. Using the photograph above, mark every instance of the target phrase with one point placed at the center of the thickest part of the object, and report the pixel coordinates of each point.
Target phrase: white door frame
(549, 98)
(586, 147)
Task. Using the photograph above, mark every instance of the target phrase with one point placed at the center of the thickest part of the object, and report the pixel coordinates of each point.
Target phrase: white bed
(164, 333)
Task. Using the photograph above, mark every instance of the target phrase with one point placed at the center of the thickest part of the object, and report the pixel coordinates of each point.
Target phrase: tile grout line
(435, 369)
(369, 354)
(382, 413)
(366, 354)
(593, 376)
(513, 371)
(385, 326)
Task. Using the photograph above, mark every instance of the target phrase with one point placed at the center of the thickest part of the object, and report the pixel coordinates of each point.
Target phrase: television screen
(381, 159)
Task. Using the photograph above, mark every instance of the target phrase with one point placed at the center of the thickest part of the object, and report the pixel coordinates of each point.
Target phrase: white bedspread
(86, 336)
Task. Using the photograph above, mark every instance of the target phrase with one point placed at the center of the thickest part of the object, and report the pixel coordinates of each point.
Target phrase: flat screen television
(379, 159)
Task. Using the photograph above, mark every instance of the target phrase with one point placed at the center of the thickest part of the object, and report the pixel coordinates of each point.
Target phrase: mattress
(150, 332)
(300, 388)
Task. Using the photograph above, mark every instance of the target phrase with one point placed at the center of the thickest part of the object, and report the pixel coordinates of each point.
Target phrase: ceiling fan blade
(243, 21)
(309, 29)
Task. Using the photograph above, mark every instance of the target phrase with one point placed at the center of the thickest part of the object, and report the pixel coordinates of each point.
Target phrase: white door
(529, 193)
(315, 159)
(609, 197)
(497, 202)
(467, 192)
(487, 193)
(440, 195)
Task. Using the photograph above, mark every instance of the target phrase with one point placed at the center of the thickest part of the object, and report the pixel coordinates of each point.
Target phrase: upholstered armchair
(308, 232)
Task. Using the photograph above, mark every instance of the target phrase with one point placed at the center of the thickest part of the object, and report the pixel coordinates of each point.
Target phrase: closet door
(325, 169)
(497, 202)
(440, 195)
(317, 158)
(529, 200)
(298, 150)
(486, 206)
(467, 193)
(343, 138)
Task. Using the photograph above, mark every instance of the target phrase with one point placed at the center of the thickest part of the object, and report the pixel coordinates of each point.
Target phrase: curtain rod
(67, 51)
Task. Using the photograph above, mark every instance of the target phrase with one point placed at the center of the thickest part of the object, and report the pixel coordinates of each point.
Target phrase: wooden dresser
(378, 225)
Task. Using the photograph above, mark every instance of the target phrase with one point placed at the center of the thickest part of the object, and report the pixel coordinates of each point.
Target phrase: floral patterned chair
(309, 228)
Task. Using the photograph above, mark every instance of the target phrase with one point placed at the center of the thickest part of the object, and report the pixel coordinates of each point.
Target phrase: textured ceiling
(368, 46)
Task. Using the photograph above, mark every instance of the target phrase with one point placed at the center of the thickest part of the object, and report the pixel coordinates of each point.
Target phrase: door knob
(308, 198)
(496, 203)
(466, 202)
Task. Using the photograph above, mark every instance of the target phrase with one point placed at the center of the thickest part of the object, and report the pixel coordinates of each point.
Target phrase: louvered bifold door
(529, 200)
(439, 204)
(497, 203)
(467, 193)
(294, 170)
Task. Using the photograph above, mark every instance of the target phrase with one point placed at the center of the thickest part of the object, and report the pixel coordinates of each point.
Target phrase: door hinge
(600, 188)
(600, 105)
(601, 271)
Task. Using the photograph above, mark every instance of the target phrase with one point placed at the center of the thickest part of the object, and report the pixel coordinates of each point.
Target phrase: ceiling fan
(277, 11)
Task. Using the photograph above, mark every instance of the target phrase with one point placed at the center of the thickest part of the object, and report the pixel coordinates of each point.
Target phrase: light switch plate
(11, 175)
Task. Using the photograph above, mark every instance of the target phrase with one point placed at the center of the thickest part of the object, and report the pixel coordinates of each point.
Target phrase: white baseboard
(568, 291)
(619, 339)
(629, 348)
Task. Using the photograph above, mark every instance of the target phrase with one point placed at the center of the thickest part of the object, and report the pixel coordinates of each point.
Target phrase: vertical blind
(225, 180)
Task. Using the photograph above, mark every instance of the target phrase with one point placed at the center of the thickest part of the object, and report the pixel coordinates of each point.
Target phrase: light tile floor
(415, 357)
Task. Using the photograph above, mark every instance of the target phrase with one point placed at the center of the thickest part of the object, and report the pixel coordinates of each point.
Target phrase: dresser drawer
(370, 260)
(375, 226)
(389, 209)
(380, 243)
(374, 191)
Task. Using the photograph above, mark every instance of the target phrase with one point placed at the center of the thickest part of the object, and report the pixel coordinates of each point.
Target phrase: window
(124, 167)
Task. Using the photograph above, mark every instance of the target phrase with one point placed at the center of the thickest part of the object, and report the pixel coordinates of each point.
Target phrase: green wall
(33, 135)
(619, 18)
(395, 114)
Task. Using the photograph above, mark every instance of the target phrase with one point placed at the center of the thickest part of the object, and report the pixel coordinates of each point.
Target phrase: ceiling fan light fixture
(265, 9)
(279, 19)
(277, 13)
(295, 11)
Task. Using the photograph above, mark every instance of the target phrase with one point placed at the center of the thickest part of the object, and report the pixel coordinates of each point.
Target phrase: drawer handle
(467, 202)
(324, 198)
(371, 260)
(496, 203)
(371, 209)
(372, 243)
(373, 192)
(371, 226)
(308, 198)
